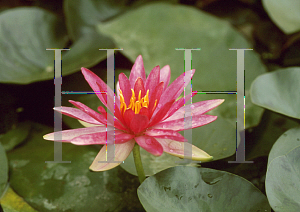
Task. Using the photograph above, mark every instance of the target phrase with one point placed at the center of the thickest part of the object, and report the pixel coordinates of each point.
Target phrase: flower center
(135, 104)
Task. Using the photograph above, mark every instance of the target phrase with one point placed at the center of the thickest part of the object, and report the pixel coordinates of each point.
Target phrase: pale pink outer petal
(176, 148)
(169, 134)
(137, 70)
(101, 138)
(89, 111)
(178, 124)
(165, 75)
(197, 108)
(121, 153)
(70, 134)
(77, 114)
(150, 144)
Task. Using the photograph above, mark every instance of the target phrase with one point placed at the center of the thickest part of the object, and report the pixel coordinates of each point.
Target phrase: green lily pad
(11, 202)
(277, 91)
(282, 180)
(68, 186)
(15, 136)
(200, 189)
(284, 13)
(3, 170)
(25, 34)
(147, 31)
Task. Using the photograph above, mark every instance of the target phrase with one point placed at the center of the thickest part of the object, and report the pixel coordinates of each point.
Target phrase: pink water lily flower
(146, 111)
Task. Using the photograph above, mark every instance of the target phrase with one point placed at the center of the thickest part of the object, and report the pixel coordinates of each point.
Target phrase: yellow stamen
(136, 106)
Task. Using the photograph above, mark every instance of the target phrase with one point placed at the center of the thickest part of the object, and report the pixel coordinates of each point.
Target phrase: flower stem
(138, 163)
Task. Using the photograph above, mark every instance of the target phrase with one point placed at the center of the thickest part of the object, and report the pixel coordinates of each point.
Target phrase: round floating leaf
(11, 202)
(156, 30)
(15, 136)
(25, 34)
(284, 13)
(3, 170)
(68, 186)
(277, 91)
(283, 174)
(200, 189)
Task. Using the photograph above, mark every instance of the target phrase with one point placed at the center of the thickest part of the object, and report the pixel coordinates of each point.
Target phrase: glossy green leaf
(11, 202)
(15, 136)
(155, 30)
(3, 170)
(200, 189)
(68, 186)
(282, 180)
(25, 34)
(277, 91)
(284, 13)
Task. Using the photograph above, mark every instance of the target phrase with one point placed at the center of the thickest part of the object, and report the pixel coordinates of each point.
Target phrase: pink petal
(178, 104)
(197, 108)
(98, 85)
(67, 135)
(168, 134)
(178, 124)
(77, 114)
(144, 111)
(174, 90)
(155, 95)
(125, 88)
(128, 116)
(176, 148)
(139, 123)
(165, 75)
(116, 123)
(121, 153)
(137, 71)
(139, 86)
(152, 81)
(161, 113)
(150, 145)
(89, 111)
(101, 138)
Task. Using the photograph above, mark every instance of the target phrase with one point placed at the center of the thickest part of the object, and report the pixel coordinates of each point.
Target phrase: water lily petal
(101, 138)
(137, 71)
(128, 116)
(178, 124)
(85, 124)
(197, 108)
(165, 75)
(116, 122)
(121, 153)
(176, 148)
(139, 123)
(90, 112)
(174, 90)
(152, 81)
(67, 135)
(77, 114)
(168, 134)
(156, 95)
(149, 144)
(139, 86)
(161, 113)
(125, 88)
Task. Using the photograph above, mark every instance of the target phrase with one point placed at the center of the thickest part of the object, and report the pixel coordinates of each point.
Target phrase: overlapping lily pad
(278, 91)
(200, 189)
(68, 186)
(283, 174)
(284, 13)
(3, 170)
